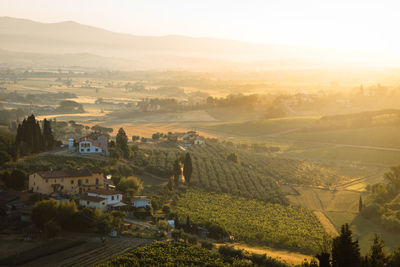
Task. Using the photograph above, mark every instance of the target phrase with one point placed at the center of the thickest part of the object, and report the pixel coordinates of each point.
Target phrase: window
(103, 203)
(97, 181)
(88, 149)
(87, 202)
(47, 180)
(97, 150)
(72, 181)
(117, 196)
(112, 197)
(37, 188)
(87, 180)
(62, 187)
(82, 149)
(55, 180)
(79, 182)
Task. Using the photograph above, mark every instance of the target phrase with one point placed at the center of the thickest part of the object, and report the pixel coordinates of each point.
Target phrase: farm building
(93, 202)
(96, 143)
(141, 201)
(113, 198)
(66, 182)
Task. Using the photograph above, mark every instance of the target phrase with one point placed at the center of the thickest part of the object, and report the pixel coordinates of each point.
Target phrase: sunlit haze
(337, 24)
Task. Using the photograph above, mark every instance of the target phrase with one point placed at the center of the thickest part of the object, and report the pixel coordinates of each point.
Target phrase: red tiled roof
(92, 198)
(102, 191)
(65, 174)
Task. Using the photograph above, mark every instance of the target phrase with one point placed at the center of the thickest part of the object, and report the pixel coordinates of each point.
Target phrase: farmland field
(168, 254)
(253, 221)
(326, 200)
(262, 127)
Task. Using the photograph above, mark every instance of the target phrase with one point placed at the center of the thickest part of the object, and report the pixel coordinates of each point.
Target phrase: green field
(168, 254)
(262, 127)
(369, 136)
(253, 221)
(342, 153)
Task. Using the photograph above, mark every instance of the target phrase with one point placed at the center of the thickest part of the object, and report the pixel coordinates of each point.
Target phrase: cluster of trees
(52, 217)
(343, 251)
(69, 106)
(15, 179)
(383, 205)
(7, 147)
(130, 186)
(31, 138)
(8, 116)
(238, 100)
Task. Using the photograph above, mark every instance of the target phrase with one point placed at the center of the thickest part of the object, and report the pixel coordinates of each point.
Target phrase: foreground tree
(376, 256)
(345, 251)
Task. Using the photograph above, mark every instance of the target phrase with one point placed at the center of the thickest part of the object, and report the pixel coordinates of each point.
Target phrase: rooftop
(92, 198)
(102, 191)
(65, 174)
(140, 198)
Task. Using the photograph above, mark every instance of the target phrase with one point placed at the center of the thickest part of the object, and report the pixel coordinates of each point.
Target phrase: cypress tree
(187, 168)
(376, 255)
(122, 142)
(360, 205)
(48, 138)
(345, 251)
(177, 171)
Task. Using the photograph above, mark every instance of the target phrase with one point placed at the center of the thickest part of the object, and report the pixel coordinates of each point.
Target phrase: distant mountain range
(28, 43)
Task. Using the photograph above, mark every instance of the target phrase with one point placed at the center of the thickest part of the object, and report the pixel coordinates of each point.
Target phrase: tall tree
(187, 168)
(122, 142)
(29, 137)
(376, 256)
(177, 171)
(48, 138)
(345, 251)
(360, 205)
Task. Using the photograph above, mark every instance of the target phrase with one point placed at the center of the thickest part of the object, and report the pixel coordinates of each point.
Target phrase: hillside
(21, 35)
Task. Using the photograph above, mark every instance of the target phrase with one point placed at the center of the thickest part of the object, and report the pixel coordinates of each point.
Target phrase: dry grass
(279, 254)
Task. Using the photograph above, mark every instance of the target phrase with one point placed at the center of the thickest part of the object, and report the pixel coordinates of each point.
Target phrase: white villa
(95, 143)
(93, 202)
(113, 198)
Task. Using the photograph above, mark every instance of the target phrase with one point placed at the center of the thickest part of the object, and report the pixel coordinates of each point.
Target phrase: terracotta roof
(102, 191)
(65, 174)
(92, 198)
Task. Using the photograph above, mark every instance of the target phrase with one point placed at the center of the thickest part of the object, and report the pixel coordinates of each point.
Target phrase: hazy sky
(349, 24)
